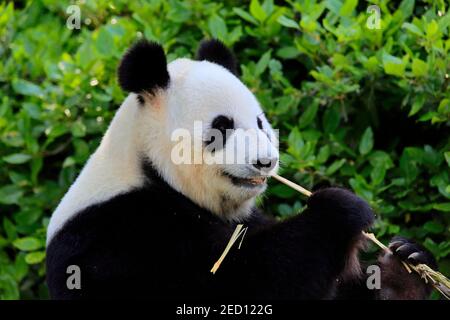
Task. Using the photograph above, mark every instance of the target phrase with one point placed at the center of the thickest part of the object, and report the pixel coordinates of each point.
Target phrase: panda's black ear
(143, 68)
(215, 51)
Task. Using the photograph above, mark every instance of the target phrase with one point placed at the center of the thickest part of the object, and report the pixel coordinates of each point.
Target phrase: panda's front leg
(396, 282)
(302, 257)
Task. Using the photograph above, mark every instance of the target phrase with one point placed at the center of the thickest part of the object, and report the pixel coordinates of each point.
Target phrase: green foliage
(325, 80)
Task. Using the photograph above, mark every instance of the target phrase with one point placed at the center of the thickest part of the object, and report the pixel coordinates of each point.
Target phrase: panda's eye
(223, 123)
(259, 122)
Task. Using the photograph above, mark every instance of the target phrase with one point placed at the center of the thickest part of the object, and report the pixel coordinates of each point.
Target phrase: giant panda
(136, 224)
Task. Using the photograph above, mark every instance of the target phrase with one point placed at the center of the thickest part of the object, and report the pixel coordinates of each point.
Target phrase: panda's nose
(265, 164)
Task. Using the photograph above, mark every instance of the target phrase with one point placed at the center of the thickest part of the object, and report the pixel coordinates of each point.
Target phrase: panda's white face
(203, 96)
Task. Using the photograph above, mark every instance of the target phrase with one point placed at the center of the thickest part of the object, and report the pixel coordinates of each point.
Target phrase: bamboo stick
(292, 185)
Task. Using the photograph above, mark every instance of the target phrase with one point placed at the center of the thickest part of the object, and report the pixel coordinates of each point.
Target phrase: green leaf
(381, 159)
(444, 22)
(331, 119)
(35, 257)
(283, 191)
(27, 244)
(442, 206)
(361, 187)
(10, 229)
(33, 110)
(78, 129)
(413, 29)
(295, 141)
(432, 30)
(377, 175)
(257, 11)
(287, 22)
(444, 107)
(335, 166)
(56, 130)
(27, 216)
(284, 210)
(366, 143)
(246, 16)
(406, 8)
(17, 158)
(9, 289)
(348, 7)
(372, 64)
(393, 65)
(217, 27)
(334, 6)
(105, 43)
(447, 157)
(419, 68)
(433, 227)
(309, 115)
(20, 267)
(288, 52)
(36, 166)
(324, 154)
(262, 64)
(10, 194)
(27, 88)
(408, 167)
(308, 23)
(417, 105)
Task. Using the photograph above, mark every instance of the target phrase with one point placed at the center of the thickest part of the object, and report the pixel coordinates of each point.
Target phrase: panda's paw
(342, 209)
(410, 251)
(396, 281)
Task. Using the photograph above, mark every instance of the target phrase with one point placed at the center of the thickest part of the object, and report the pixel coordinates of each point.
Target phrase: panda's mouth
(246, 182)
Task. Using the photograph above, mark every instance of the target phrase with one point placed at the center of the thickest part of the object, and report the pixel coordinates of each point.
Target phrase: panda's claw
(412, 252)
(415, 258)
(405, 250)
(398, 283)
(395, 244)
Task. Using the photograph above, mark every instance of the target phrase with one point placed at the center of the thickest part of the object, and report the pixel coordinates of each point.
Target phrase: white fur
(198, 91)
(111, 170)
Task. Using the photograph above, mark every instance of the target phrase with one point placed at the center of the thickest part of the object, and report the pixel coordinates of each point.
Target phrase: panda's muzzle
(246, 182)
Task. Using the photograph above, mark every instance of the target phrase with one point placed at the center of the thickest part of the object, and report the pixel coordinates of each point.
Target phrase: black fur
(222, 126)
(143, 68)
(153, 242)
(215, 51)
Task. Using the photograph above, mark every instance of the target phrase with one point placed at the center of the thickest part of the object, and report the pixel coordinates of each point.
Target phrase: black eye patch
(222, 123)
(219, 124)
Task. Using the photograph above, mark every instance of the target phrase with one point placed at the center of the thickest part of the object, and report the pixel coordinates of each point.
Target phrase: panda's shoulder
(148, 212)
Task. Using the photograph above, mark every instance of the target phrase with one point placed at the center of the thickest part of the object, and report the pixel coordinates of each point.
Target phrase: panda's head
(199, 126)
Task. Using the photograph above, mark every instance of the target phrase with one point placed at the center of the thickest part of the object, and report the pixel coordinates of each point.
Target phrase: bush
(364, 108)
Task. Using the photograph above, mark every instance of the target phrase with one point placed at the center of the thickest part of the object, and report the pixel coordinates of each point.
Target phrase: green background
(363, 108)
